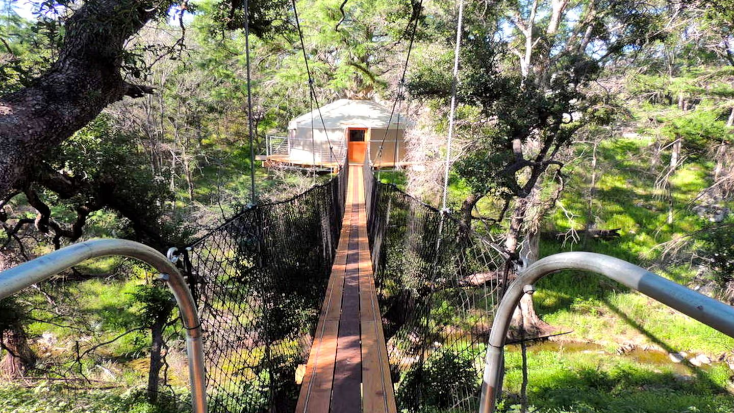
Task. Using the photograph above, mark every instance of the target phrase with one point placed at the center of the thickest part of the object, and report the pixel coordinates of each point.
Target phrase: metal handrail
(42, 268)
(702, 308)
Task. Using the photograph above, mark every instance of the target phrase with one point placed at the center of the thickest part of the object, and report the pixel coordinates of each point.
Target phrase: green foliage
(718, 250)
(111, 168)
(268, 19)
(156, 302)
(49, 397)
(27, 47)
(699, 129)
(446, 375)
(12, 313)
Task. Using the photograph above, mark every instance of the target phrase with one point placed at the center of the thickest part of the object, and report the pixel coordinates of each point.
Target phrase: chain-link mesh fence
(438, 285)
(259, 281)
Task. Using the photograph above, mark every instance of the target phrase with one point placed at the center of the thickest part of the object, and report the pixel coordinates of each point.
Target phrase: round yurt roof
(349, 113)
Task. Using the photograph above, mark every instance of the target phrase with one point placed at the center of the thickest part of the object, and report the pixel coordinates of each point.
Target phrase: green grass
(395, 177)
(47, 397)
(596, 381)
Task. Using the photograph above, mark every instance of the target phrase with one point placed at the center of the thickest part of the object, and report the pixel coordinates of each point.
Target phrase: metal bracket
(172, 254)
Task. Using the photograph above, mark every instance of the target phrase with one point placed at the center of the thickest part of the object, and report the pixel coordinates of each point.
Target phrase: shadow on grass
(700, 374)
(623, 389)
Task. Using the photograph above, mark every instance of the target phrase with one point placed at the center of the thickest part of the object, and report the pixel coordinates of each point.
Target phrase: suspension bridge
(348, 368)
(351, 297)
(338, 300)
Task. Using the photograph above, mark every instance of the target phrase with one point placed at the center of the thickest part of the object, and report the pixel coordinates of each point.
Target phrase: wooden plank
(332, 309)
(377, 384)
(316, 389)
(375, 389)
(348, 370)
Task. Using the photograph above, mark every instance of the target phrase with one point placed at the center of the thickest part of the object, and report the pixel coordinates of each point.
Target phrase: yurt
(357, 127)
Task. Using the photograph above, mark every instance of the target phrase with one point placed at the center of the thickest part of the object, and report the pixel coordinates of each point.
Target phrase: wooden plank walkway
(347, 368)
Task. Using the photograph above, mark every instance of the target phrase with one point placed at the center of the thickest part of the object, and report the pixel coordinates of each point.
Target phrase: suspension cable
(401, 84)
(311, 82)
(313, 137)
(249, 103)
(452, 113)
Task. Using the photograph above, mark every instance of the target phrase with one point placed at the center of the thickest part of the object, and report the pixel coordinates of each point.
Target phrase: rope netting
(438, 286)
(259, 281)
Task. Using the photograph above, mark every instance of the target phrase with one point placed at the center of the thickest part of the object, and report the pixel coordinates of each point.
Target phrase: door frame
(366, 141)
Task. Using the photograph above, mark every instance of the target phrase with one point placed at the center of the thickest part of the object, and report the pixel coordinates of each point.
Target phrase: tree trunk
(156, 360)
(674, 157)
(590, 221)
(516, 222)
(525, 314)
(465, 213)
(19, 357)
(189, 178)
(83, 81)
(730, 121)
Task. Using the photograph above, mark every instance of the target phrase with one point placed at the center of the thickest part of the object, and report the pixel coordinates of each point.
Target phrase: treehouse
(357, 128)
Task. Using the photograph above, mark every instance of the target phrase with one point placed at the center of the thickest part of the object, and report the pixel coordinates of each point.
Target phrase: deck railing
(277, 145)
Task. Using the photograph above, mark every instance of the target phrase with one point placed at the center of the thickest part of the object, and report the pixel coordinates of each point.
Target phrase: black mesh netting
(438, 285)
(259, 281)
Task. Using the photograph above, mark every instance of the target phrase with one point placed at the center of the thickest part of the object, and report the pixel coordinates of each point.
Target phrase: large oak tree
(86, 77)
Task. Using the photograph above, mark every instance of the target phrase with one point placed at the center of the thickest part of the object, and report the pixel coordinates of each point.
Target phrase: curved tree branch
(83, 81)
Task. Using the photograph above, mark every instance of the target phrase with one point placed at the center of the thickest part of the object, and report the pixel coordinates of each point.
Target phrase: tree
(529, 67)
(158, 306)
(84, 79)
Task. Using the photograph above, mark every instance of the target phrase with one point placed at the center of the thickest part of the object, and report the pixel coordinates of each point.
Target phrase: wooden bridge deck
(347, 368)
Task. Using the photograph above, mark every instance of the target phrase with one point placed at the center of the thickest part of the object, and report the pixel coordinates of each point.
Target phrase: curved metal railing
(42, 268)
(691, 303)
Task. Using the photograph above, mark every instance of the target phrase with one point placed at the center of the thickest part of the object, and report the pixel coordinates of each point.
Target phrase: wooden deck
(348, 369)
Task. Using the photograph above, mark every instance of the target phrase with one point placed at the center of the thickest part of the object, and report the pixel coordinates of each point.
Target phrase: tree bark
(674, 156)
(156, 360)
(465, 213)
(19, 357)
(730, 121)
(516, 222)
(525, 315)
(83, 81)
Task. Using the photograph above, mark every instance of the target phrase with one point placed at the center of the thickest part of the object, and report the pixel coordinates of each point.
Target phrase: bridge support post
(698, 306)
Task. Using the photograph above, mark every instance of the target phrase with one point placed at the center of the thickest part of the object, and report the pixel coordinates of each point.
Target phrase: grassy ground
(594, 307)
(569, 379)
(45, 397)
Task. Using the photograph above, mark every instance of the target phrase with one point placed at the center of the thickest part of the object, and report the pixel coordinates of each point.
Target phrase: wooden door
(357, 148)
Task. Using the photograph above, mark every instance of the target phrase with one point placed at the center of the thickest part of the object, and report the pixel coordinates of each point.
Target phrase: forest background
(590, 125)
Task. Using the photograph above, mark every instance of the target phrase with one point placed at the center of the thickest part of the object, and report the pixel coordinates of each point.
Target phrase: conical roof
(349, 113)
